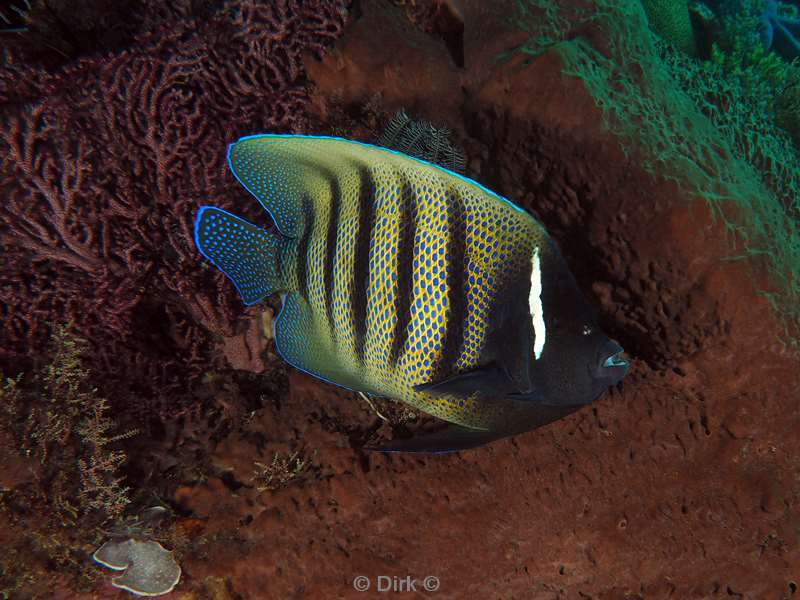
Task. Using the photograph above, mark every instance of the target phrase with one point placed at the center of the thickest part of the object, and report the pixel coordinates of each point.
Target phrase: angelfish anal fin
(304, 340)
(450, 439)
(455, 437)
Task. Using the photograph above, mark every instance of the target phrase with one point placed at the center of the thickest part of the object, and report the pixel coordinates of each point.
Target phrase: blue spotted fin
(247, 254)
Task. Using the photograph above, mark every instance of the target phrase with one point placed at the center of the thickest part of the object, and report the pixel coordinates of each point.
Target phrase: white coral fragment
(150, 569)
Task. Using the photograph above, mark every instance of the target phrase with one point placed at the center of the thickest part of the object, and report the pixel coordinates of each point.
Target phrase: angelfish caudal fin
(247, 254)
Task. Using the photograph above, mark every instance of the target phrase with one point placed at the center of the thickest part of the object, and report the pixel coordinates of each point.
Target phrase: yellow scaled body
(402, 279)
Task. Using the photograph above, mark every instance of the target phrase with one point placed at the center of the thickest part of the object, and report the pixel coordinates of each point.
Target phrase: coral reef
(103, 164)
(682, 483)
(670, 19)
(107, 146)
(666, 185)
(703, 127)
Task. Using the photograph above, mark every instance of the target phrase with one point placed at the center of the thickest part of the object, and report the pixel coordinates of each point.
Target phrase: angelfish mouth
(615, 360)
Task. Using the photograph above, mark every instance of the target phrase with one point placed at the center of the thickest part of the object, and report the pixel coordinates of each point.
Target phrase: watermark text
(395, 584)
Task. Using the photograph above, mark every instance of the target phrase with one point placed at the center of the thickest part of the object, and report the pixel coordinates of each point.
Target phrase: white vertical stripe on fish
(535, 303)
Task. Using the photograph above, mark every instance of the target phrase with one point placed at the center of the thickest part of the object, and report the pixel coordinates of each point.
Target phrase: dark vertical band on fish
(303, 245)
(455, 255)
(331, 242)
(405, 267)
(361, 270)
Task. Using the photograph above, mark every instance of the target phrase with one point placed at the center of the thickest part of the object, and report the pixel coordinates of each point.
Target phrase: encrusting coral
(670, 19)
(148, 568)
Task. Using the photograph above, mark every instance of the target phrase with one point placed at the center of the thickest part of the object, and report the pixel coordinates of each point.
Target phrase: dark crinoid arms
(13, 18)
(51, 32)
(422, 139)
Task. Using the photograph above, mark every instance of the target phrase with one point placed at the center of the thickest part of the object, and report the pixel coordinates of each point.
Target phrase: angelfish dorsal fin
(296, 176)
(271, 168)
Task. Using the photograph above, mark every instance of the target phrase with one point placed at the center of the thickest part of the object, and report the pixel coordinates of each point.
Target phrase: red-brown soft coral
(103, 163)
(441, 18)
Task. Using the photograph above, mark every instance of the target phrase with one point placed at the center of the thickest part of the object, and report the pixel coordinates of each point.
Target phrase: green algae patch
(709, 127)
(671, 20)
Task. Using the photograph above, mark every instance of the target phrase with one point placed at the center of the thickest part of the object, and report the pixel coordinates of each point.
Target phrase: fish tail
(248, 255)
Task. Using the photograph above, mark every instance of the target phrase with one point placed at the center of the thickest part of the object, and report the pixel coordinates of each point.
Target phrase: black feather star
(14, 19)
(422, 140)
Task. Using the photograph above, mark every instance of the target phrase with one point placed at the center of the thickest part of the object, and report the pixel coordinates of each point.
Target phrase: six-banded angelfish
(402, 279)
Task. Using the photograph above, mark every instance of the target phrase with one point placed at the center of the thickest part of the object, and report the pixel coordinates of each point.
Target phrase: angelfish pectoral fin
(491, 381)
(532, 396)
(450, 439)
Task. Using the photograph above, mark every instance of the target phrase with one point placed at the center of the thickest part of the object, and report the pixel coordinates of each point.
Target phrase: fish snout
(611, 365)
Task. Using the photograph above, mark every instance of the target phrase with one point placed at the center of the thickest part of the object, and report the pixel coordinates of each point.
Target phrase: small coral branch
(101, 489)
(63, 396)
(280, 472)
(62, 422)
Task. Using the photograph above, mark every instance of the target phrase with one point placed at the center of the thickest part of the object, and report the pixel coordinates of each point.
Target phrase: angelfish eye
(587, 330)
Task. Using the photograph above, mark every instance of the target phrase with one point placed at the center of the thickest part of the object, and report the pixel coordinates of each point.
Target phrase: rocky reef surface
(681, 482)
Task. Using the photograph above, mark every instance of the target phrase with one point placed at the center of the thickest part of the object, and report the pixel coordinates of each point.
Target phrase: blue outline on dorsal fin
(339, 139)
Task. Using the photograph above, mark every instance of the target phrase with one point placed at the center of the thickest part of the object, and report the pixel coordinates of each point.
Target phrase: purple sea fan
(103, 163)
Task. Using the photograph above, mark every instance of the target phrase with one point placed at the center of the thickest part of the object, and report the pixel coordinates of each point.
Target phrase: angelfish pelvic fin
(489, 380)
